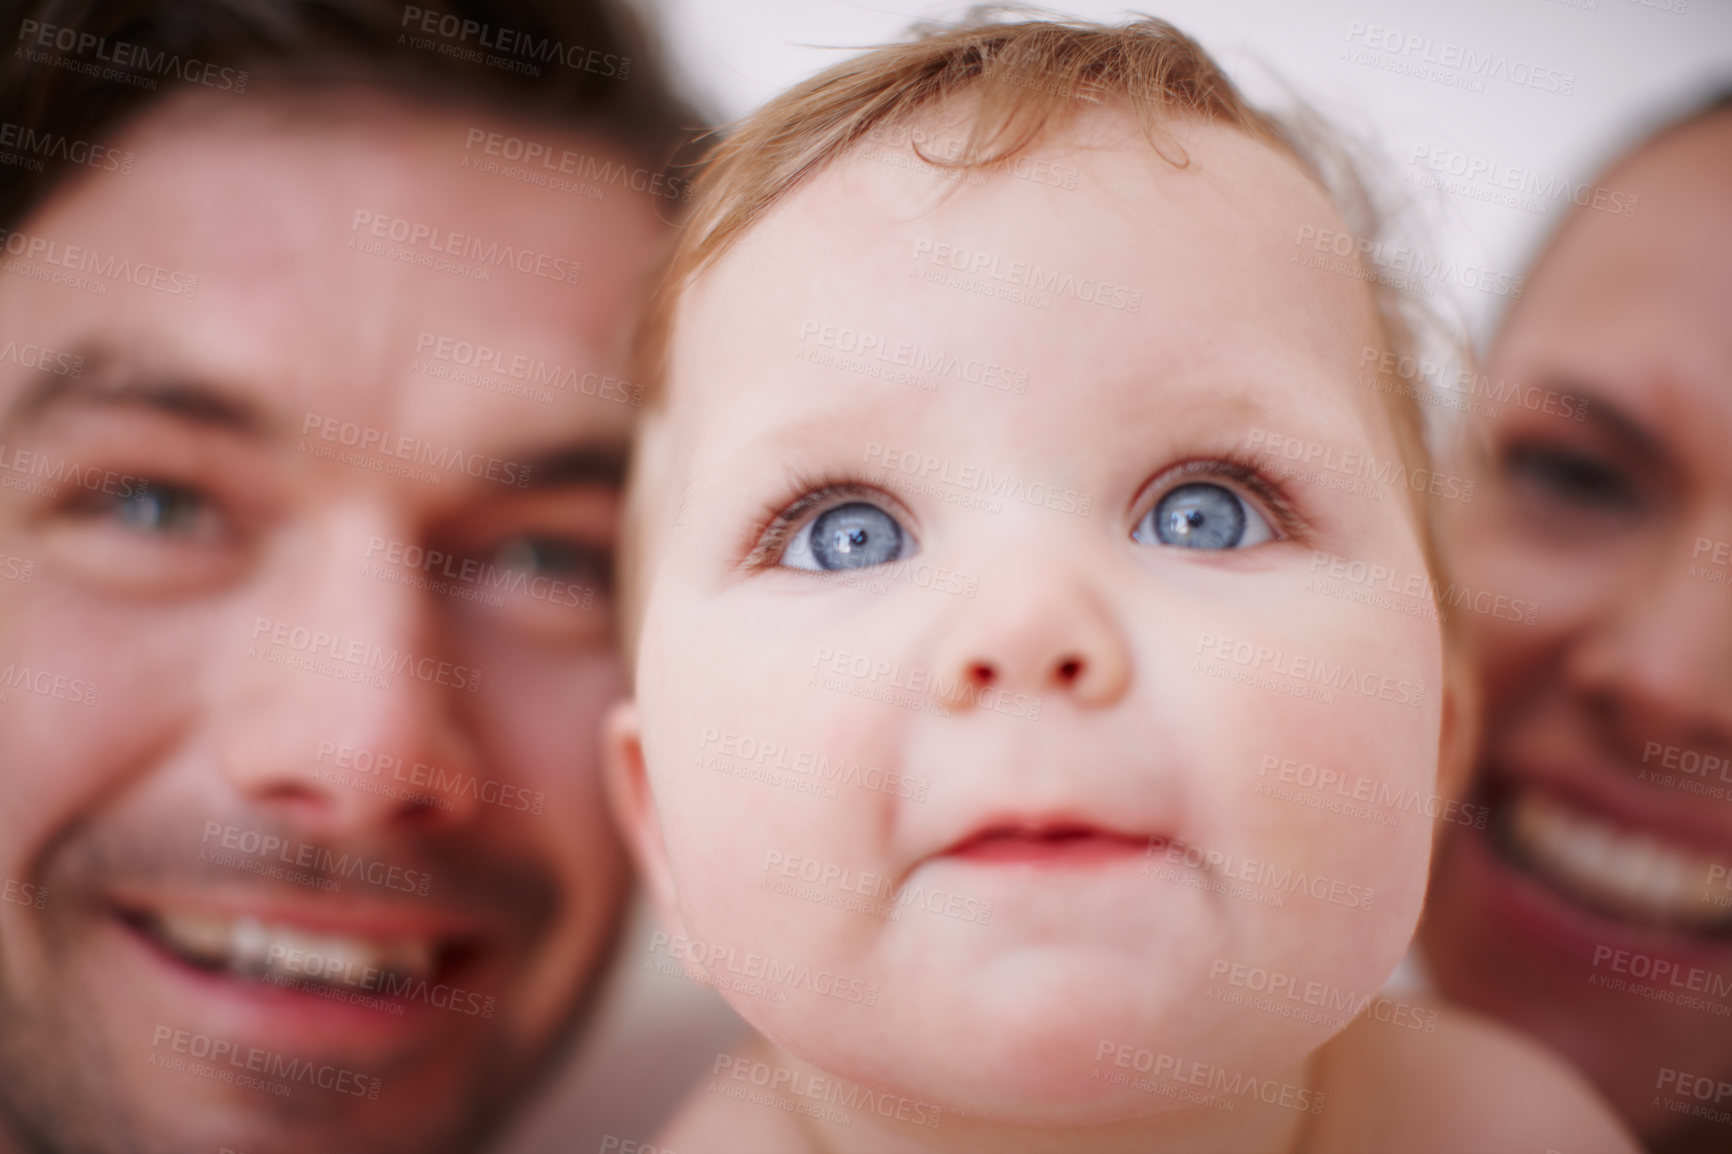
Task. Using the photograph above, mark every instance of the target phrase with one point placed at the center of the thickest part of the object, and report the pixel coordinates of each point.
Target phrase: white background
(1631, 61)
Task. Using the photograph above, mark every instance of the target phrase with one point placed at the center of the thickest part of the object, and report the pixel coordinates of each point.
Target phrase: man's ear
(634, 811)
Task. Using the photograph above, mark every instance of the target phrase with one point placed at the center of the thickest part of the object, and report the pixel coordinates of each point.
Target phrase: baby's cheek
(770, 836)
(1319, 811)
(738, 876)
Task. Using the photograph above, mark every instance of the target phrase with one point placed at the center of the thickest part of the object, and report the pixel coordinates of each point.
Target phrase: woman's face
(1595, 910)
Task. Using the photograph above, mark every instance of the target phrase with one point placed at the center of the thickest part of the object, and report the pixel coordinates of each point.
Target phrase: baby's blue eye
(1201, 515)
(852, 536)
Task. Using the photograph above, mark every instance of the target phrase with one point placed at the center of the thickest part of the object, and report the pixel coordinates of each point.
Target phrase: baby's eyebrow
(822, 427)
(1235, 392)
(840, 416)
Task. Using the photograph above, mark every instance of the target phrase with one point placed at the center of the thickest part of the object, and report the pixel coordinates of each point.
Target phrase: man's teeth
(246, 946)
(1629, 874)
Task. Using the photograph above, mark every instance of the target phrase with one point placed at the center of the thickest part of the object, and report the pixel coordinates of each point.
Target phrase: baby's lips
(1054, 841)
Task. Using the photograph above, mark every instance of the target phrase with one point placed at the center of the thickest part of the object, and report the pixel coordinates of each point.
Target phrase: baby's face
(984, 680)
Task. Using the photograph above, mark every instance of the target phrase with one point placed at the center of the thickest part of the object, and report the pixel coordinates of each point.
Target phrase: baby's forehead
(1088, 252)
(1101, 164)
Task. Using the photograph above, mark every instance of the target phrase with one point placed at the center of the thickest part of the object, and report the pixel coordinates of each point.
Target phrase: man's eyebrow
(582, 464)
(109, 383)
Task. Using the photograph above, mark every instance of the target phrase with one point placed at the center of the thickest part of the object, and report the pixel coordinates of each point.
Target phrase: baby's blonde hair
(1024, 79)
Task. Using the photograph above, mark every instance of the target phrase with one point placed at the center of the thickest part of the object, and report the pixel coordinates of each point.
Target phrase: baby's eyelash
(1243, 468)
(775, 525)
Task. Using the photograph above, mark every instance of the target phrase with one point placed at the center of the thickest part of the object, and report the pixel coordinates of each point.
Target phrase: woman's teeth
(248, 947)
(1635, 876)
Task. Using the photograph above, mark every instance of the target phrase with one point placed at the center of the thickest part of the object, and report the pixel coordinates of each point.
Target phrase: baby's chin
(1044, 1038)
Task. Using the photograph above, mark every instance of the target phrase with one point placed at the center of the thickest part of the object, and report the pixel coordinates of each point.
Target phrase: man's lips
(1060, 842)
(303, 944)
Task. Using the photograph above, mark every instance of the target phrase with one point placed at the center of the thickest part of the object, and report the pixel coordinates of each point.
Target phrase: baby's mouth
(1632, 875)
(1064, 843)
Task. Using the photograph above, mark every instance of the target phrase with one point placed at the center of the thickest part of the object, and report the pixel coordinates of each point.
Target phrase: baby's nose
(1039, 642)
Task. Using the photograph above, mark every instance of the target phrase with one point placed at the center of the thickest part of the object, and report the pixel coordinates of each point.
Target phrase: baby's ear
(634, 810)
(1458, 743)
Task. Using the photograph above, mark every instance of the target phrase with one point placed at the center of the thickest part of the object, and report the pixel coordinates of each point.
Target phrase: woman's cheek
(1550, 591)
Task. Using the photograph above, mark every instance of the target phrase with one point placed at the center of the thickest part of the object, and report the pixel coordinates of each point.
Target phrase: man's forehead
(292, 188)
(233, 304)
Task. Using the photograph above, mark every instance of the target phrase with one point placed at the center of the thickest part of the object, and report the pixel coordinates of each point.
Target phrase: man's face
(304, 630)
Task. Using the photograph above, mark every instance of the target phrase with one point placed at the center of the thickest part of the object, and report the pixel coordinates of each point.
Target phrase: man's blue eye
(1201, 515)
(851, 536)
(159, 508)
(554, 557)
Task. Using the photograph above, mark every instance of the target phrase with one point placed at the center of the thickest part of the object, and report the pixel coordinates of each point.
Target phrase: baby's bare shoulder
(715, 1120)
(1458, 1082)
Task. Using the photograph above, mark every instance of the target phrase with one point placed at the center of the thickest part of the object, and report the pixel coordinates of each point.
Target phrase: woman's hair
(1623, 147)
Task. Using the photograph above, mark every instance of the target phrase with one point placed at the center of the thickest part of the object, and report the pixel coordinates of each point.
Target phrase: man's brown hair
(77, 73)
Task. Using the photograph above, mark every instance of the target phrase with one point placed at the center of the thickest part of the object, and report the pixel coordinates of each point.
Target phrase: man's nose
(340, 704)
(1041, 628)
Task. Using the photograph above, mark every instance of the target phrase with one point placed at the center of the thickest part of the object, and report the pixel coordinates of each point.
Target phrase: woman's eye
(1568, 477)
(852, 536)
(1200, 515)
